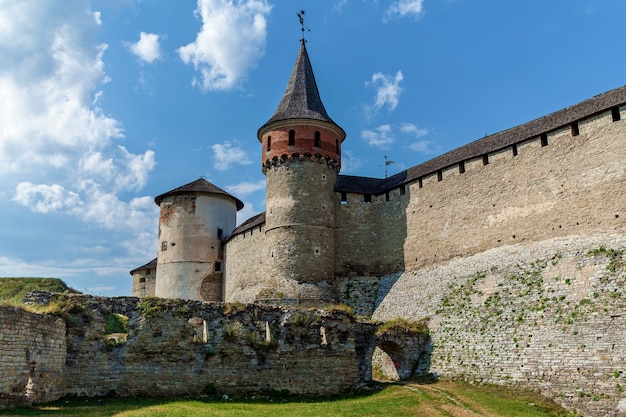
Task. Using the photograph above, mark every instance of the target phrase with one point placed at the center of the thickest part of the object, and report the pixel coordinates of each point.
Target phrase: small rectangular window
(163, 246)
(220, 233)
(403, 189)
(575, 131)
(462, 167)
(367, 198)
(218, 266)
(148, 271)
(420, 183)
(387, 196)
(344, 197)
(615, 114)
(514, 149)
(439, 175)
(544, 139)
(269, 143)
(485, 159)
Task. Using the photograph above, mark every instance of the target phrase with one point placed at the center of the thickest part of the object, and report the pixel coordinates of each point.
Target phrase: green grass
(433, 400)
(12, 290)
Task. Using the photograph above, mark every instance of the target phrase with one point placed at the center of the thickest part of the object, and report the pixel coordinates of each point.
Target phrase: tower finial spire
(301, 17)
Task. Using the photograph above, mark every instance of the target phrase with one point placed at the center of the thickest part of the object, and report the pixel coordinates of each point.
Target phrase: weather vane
(301, 17)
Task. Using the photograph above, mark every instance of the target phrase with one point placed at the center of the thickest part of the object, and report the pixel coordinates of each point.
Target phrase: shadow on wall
(401, 356)
(371, 234)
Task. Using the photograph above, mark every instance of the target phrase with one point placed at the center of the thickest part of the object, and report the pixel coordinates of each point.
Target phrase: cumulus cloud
(422, 146)
(411, 129)
(350, 162)
(227, 154)
(404, 8)
(57, 147)
(381, 137)
(388, 90)
(245, 188)
(230, 43)
(147, 48)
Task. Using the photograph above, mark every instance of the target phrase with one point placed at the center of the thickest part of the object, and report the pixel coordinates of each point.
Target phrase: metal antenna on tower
(387, 163)
(301, 17)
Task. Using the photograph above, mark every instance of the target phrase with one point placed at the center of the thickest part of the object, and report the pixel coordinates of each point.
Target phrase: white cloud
(45, 198)
(424, 147)
(410, 128)
(226, 155)
(245, 188)
(381, 136)
(146, 48)
(57, 151)
(388, 90)
(230, 43)
(403, 8)
(246, 212)
(349, 162)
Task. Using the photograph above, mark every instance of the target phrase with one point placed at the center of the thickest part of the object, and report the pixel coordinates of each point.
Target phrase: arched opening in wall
(115, 329)
(388, 362)
(200, 333)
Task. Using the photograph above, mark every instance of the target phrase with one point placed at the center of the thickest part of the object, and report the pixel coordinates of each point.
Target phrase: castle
(552, 177)
(512, 249)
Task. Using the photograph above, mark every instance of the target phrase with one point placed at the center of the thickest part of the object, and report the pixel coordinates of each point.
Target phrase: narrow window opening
(148, 271)
(268, 333)
(220, 233)
(218, 266)
(462, 167)
(485, 159)
(367, 198)
(142, 280)
(439, 175)
(615, 114)
(514, 149)
(292, 137)
(269, 143)
(544, 139)
(403, 189)
(420, 183)
(344, 198)
(163, 246)
(387, 196)
(575, 130)
(318, 140)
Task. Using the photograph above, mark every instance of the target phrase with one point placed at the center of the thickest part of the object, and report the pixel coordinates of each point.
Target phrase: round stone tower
(194, 221)
(301, 157)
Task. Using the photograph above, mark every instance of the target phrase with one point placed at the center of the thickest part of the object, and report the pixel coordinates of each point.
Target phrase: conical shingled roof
(302, 98)
(200, 186)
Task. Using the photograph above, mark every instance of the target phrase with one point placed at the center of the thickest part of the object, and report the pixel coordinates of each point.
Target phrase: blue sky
(105, 104)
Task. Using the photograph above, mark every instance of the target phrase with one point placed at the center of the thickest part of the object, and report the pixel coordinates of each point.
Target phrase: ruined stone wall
(177, 347)
(548, 316)
(32, 356)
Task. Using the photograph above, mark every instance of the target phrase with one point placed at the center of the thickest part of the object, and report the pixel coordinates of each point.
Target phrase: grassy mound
(12, 290)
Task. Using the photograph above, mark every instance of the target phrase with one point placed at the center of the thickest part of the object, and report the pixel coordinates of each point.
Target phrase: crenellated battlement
(283, 159)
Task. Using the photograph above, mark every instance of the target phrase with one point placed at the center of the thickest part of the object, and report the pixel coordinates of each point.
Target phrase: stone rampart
(547, 315)
(32, 357)
(182, 347)
(559, 183)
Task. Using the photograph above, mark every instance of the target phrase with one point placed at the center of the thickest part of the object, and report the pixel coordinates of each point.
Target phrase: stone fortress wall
(184, 347)
(516, 227)
(32, 357)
